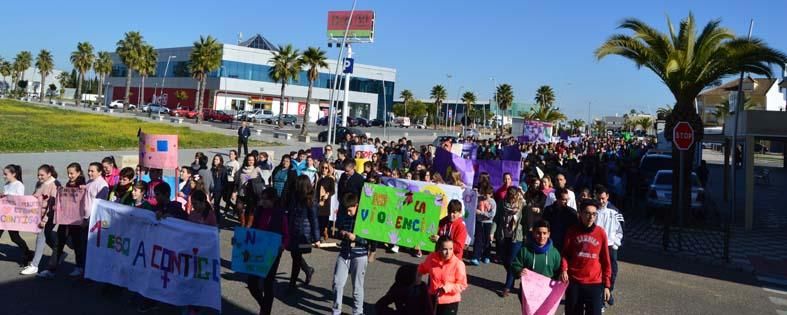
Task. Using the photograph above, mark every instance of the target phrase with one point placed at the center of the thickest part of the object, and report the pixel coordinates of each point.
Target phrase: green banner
(386, 214)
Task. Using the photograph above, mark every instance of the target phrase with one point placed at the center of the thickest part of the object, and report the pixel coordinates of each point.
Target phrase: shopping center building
(242, 83)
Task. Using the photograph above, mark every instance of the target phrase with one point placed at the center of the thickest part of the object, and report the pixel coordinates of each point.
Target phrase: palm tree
(82, 59)
(21, 64)
(504, 94)
(545, 114)
(469, 99)
(600, 127)
(285, 66)
(724, 108)
(645, 122)
(313, 58)
(129, 49)
(5, 69)
(205, 57)
(439, 94)
(147, 67)
(64, 79)
(687, 62)
(545, 96)
(406, 96)
(663, 112)
(102, 67)
(44, 63)
(576, 124)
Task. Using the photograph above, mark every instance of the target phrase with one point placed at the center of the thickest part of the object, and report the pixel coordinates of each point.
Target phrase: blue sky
(524, 43)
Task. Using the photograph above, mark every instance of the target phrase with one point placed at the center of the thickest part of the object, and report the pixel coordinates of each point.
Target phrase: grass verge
(31, 128)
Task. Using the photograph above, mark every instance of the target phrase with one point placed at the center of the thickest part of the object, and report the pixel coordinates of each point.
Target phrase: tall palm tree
(285, 66)
(545, 96)
(504, 95)
(82, 59)
(724, 108)
(406, 96)
(314, 59)
(5, 69)
(45, 63)
(576, 124)
(545, 114)
(64, 79)
(129, 49)
(687, 62)
(469, 99)
(102, 67)
(147, 67)
(645, 122)
(22, 62)
(439, 95)
(664, 112)
(205, 57)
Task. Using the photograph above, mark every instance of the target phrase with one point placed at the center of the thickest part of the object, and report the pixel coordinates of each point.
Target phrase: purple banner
(445, 161)
(470, 151)
(317, 154)
(536, 131)
(496, 169)
(511, 153)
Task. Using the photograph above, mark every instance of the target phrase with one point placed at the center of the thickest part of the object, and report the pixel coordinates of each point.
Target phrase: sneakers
(474, 262)
(46, 274)
(76, 273)
(486, 260)
(395, 249)
(29, 270)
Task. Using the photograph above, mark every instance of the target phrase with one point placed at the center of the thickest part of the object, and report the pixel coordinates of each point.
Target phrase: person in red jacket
(453, 227)
(586, 264)
(447, 277)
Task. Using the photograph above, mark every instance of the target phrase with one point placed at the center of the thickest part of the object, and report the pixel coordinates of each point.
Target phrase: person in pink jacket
(447, 276)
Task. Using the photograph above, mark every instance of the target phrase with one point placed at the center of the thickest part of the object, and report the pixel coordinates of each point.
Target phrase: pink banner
(70, 206)
(540, 295)
(158, 151)
(20, 213)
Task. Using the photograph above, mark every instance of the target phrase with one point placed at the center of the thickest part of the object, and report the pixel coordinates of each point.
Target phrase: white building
(33, 78)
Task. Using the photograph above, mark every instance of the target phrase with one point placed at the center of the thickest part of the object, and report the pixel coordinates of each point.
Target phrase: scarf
(509, 217)
(247, 173)
(540, 249)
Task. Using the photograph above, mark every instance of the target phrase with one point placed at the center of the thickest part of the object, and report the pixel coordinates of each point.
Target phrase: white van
(402, 122)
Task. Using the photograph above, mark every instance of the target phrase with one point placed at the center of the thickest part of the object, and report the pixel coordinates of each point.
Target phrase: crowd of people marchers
(559, 221)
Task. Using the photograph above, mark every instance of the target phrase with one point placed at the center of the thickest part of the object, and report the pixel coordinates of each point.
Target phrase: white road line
(775, 291)
(778, 301)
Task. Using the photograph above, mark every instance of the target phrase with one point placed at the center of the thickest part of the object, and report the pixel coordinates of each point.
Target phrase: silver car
(660, 191)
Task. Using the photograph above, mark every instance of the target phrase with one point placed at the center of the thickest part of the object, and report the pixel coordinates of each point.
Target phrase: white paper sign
(170, 260)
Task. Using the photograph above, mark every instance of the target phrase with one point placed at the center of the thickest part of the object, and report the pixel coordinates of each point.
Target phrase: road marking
(778, 301)
(775, 291)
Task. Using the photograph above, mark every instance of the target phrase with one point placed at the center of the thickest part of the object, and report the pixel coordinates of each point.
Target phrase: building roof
(761, 87)
(259, 42)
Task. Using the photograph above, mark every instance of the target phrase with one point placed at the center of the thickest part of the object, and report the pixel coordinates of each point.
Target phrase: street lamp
(447, 88)
(385, 107)
(458, 96)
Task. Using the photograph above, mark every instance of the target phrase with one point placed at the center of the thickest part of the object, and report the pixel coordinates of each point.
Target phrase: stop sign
(683, 136)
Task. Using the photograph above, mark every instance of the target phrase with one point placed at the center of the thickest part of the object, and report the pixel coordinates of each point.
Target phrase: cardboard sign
(158, 151)
(20, 213)
(254, 251)
(70, 206)
(541, 295)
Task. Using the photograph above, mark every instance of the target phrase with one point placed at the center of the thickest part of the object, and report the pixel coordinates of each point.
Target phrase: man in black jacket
(350, 181)
(560, 217)
(243, 138)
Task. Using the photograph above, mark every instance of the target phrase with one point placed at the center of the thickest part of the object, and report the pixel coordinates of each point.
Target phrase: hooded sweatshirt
(457, 231)
(586, 255)
(447, 274)
(544, 260)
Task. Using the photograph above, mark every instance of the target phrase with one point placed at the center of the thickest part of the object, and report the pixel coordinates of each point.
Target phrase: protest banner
(70, 206)
(540, 295)
(536, 131)
(366, 150)
(466, 196)
(496, 169)
(158, 151)
(317, 153)
(20, 213)
(254, 251)
(470, 151)
(169, 260)
(386, 214)
(457, 148)
(511, 153)
(359, 165)
(445, 162)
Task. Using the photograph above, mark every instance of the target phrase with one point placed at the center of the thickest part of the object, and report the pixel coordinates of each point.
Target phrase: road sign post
(683, 138)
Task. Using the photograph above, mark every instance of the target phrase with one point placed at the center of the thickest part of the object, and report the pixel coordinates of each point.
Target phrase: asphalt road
(648, 283)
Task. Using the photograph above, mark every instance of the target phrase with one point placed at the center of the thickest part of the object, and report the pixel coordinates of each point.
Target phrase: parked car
(288, 120)
(377, 122)
(184, 112)
(217, 115)
(264, 115)
(155, 108)
(240, 115)
(660, 192)
(650, 165)
(360, 122)
(340, 134)
(117, 104)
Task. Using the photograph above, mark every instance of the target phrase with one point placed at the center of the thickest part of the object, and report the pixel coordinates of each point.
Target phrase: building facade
(33, 78)
(760, 93)
(242, 83)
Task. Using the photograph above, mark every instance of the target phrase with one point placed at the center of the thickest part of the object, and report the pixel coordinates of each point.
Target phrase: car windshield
(653, 163)
(666, 179)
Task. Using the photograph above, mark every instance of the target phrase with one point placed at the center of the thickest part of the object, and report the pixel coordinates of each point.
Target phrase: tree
(181, 96)
(545, 114)
(687, 62)
(45, 64)
(417, 110)
(724, 108)
(82, 59)
(645, 122)
(102, 67)
(21, 64)
(52, 90)
(147, 67)
(504, 95)
(63, 78)
(439, 94)
(576, 125)
(205, 57)
(5, 69)
(469, 99)
(129, 49)
(599, 127)
(545, 96)
(406, 96)
(663, 112)
(314, 59)
(285, 66)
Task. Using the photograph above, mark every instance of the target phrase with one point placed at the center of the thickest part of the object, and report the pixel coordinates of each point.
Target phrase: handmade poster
(367, 150)
(541, 295)
(129, 161)
(445, 162)
(394, 161)
(387, 214)
(496, 169)
(359, 165)
(170, 260)
(470, 151)
(536, 131)
(254, 251)
(317, 153)
(70, 206)
(466, 196)
(20, 213)
(457, 148)
(158, 151)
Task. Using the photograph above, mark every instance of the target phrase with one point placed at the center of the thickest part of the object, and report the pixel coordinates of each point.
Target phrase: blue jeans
(481, 240)
(510, 250)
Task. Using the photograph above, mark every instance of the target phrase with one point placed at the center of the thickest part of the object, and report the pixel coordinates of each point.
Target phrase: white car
(119, 104)
(155, 108)
(264, 115)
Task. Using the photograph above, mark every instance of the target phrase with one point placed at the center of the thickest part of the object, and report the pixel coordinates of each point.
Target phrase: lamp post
(447, 88)
(163, 80)
(453, 118)
(385, 106)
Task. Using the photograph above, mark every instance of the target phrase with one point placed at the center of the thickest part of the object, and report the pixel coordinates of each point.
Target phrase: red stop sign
(683, 136)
